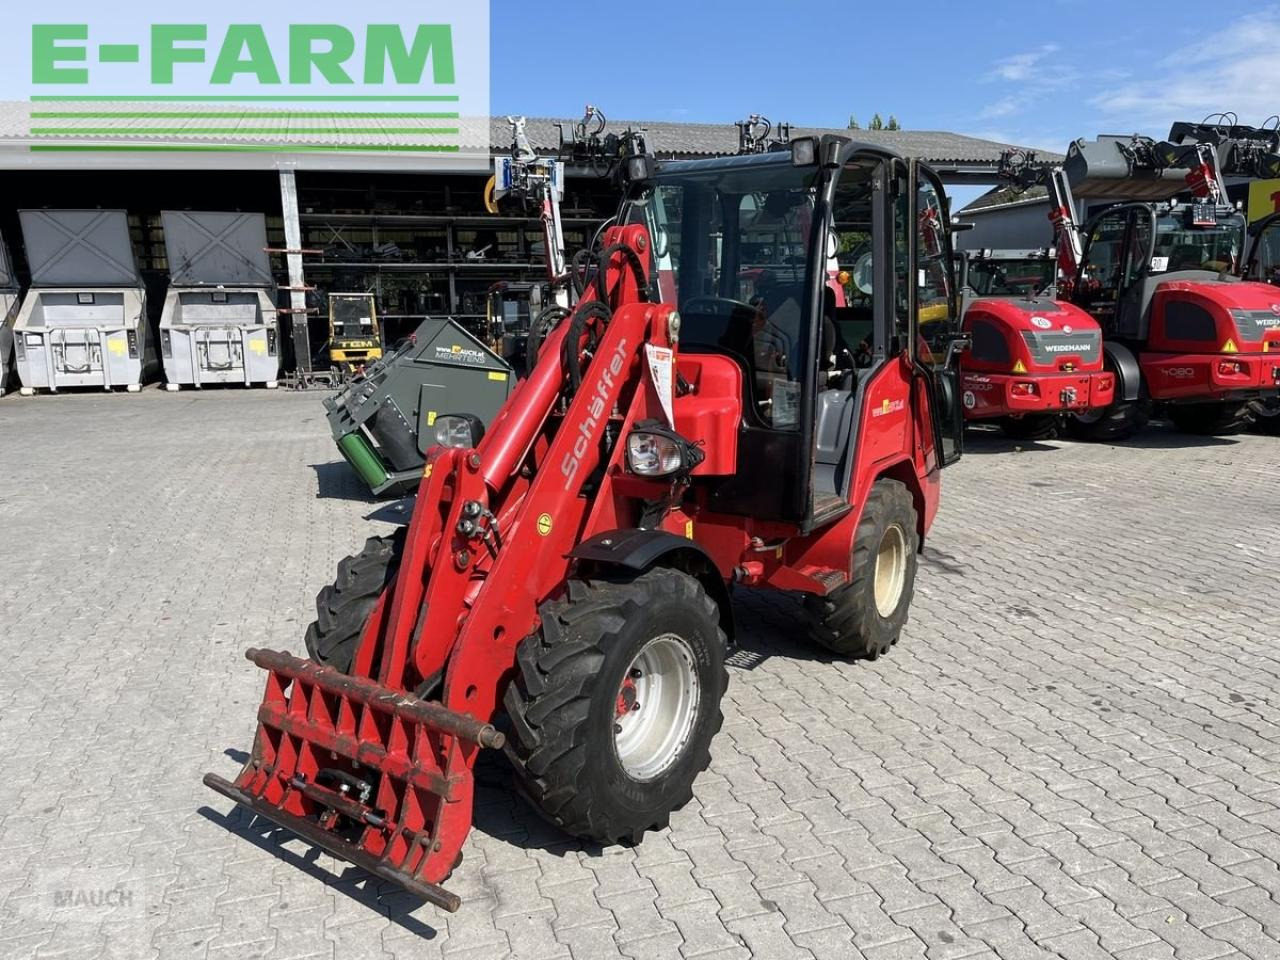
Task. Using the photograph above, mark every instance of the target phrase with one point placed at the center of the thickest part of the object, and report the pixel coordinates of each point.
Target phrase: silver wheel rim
(891, 570)
(657, 705)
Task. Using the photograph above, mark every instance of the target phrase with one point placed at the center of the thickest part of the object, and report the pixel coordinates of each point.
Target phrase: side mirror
(959, 226)
(864, 274)
(956, 345)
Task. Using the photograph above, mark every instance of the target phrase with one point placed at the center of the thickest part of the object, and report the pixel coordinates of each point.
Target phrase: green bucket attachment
(364, 459)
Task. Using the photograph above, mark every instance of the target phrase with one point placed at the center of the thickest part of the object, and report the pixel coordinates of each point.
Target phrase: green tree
(893, 123)
(853, 123)
(876, 123)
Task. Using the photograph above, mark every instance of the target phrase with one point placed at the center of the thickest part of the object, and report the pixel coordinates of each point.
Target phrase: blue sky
(1037, 74)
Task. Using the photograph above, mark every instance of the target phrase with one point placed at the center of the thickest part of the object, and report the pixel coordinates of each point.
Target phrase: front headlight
(654, 450)
(460, 430)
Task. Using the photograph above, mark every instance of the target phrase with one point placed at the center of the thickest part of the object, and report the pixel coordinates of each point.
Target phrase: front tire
(588, 756)
(1031, 426)
(1266, 416)
(1210, 419)
(343, 608)
(864, 618)
(1119, 421)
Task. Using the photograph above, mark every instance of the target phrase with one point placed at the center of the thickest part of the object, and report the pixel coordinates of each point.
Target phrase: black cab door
(933, 299)
(1263, 262)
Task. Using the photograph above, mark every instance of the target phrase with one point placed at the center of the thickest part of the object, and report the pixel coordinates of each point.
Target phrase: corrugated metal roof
(1006, 197)
(159, 130)
(717, 139)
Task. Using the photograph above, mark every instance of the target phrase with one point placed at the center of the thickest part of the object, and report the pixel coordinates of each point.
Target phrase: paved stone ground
(1073, 753)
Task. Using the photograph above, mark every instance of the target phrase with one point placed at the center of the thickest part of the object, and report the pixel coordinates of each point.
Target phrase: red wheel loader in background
(1181, 329)
(1031, 358)
(562, 590)
(1263, 266)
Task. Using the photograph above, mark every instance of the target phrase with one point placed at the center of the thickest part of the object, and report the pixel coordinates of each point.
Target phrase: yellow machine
(355, 338)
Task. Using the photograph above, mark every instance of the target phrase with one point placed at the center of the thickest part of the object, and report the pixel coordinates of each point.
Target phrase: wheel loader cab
(747, 247)
(1133, 248)
(1263, 262)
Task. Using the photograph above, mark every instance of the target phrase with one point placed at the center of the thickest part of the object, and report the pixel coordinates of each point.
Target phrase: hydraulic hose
(571, 346)
(538, 330)
(598, 308)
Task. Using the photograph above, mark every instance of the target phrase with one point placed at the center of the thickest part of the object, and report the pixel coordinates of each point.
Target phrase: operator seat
(1185, 256)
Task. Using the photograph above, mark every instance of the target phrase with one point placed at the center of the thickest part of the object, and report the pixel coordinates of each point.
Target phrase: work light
(460, 430)
(654, 450)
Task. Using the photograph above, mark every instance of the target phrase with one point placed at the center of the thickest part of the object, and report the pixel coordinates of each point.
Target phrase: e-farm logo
(243, 86)
(316, 51)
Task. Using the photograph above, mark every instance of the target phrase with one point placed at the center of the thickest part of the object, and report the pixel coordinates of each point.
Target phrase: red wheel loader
(1032, 358)
(1263, 266)
(1181, 329)
(562, 591)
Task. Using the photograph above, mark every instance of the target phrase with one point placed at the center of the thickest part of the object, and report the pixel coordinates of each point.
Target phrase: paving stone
(1073, 752)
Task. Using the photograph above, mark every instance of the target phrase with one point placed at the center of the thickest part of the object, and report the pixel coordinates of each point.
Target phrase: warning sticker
(661, 370)
(117, 347)
(544, 524)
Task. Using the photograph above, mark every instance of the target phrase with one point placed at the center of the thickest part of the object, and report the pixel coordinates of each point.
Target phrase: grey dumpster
(219, 319)
(9, 301)
(83, 320)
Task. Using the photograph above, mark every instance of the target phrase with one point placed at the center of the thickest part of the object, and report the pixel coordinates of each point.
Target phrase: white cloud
(1001, 108)
(1021, 66)
(1234, 69)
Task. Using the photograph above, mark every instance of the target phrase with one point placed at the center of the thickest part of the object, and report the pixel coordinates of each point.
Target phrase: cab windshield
(1180, 245)
(1014, 276)
(352, 316)
(732, 250)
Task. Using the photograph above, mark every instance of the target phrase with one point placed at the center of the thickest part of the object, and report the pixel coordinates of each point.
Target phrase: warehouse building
(373, 213)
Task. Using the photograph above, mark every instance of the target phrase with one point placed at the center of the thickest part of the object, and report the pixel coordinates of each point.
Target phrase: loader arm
(375, 765)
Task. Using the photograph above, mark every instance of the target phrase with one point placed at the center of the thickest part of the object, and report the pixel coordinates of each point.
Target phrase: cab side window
(1102, 273)
(935, 298)
(1266, 267)
(853, 307)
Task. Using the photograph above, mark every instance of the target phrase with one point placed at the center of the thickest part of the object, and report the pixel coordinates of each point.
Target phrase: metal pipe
(511, 435)
(375, 695)
(335, 845)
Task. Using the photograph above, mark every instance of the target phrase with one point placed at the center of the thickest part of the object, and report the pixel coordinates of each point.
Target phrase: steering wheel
(716, 306)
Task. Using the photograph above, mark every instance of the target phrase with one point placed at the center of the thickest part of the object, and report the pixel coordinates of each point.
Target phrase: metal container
(219, 319)
(83, 321)
(9, 301)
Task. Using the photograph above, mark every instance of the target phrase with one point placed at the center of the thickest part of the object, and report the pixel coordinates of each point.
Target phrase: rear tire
(1032, 426)
(864, 618)
(343, 608)
(1266, 416)
(1119, 421)
(1210, 419)
(587, 758)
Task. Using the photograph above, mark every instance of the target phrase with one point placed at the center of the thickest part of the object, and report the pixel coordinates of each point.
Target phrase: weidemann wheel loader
(562, 590)
(1032, 358)
(1160, 277)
